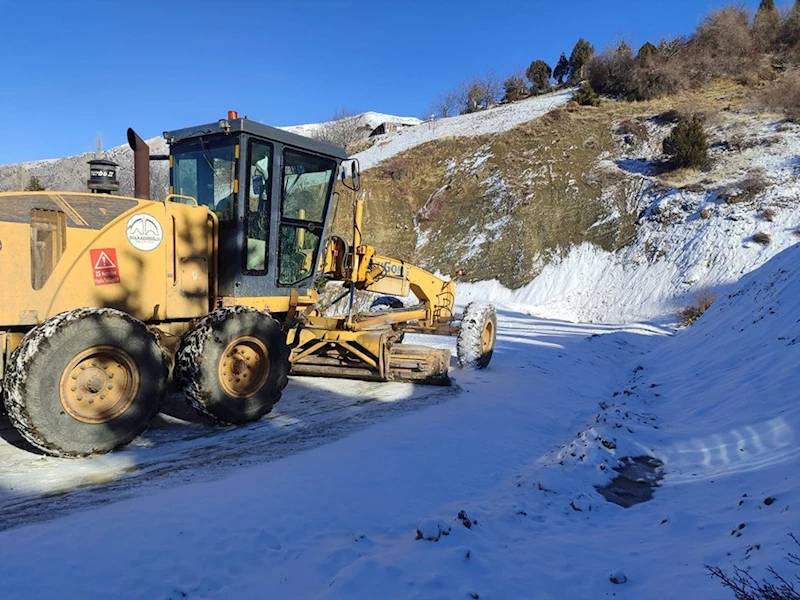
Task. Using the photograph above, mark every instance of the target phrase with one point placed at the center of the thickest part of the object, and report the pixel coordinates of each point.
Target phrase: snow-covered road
(182, 447)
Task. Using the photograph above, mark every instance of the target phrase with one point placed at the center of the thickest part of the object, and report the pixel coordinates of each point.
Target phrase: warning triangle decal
(104, 262)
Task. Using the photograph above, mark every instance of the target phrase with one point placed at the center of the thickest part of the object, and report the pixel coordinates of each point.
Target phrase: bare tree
(342, 129)
(446, 105)
(492, 87)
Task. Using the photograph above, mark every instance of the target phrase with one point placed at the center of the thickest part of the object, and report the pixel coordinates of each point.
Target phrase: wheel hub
(487, 337)
(244, 367)
(99, 384)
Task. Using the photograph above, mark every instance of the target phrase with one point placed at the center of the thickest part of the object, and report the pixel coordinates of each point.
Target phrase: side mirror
(355, 175)
(257, 185)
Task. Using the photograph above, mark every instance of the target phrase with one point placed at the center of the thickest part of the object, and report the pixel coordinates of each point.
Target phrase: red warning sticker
(104, 263)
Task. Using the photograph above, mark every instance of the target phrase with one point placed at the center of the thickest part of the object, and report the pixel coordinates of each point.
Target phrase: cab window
(207, 174)
(306, 186)
(257, 208)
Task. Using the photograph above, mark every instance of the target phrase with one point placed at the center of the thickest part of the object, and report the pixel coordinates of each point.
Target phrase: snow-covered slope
(494, 120)
(689, 240)
(366, 122)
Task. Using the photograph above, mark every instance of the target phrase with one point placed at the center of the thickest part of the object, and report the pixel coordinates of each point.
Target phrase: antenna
(98, 152)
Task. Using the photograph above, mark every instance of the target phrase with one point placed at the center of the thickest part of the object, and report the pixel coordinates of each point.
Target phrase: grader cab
(217, 286)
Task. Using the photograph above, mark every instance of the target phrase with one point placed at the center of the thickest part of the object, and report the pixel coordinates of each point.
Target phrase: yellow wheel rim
(244, 367)
(99, 384)
(487, 337)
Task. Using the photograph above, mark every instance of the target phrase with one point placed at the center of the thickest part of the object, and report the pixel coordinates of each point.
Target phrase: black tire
(384, 303)
(52, 414)
(477, 336)
(205, 350)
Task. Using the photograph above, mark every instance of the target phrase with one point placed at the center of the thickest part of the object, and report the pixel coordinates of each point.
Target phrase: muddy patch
(636, 479)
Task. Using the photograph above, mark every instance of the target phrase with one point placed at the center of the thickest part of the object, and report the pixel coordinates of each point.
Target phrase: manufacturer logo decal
(144, 232)
(105, 266)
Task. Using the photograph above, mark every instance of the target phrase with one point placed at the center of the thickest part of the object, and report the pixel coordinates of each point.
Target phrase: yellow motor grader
(216, 285)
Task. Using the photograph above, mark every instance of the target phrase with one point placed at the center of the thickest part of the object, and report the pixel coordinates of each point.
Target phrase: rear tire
(85, 382)
(233, 365)
(477, 336)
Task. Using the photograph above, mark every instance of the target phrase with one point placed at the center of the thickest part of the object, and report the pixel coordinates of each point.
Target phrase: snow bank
(494, 120)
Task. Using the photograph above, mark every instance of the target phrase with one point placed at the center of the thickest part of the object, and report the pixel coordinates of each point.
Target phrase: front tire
(233, 365)
(477, 336)
(85, 382)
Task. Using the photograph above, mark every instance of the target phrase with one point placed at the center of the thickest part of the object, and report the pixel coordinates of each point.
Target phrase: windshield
(206, 174)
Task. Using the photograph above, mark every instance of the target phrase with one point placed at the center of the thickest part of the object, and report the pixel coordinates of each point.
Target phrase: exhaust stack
(141, 165)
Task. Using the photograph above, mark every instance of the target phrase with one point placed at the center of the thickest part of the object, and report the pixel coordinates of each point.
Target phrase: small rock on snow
(617, 577)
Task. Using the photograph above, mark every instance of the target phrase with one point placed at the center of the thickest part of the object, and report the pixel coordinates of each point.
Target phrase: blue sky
(72, 69)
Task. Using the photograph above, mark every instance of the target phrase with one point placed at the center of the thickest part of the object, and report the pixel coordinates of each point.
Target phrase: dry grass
(768, 214)
(763, 238)
(690, 314)
(635, 128)
(784, 96)
(746, 190)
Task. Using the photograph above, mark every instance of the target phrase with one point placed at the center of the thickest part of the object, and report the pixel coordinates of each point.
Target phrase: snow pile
(494, 120)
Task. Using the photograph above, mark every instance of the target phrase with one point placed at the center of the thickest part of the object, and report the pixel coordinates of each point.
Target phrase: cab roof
(243, 125)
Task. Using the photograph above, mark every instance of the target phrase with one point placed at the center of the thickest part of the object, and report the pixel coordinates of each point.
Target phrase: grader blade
(367, 355)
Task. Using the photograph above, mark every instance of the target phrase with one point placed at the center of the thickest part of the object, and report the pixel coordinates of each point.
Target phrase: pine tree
(34, 185)
(581, 54)
(539, 75)
(562, 68)
(790, 29)
(766, 26)
(647, 52)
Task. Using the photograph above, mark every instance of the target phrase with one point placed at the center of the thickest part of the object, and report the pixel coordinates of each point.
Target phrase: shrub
(515, 89)
(762, 238)
(702, 303)
(768, 214)
(797, 232)
(668, 117)
(705, 213)
(586, 96)
(652, 73)
(687, 146)
(721, 46)
(754, 184)
(634, 128)
(745, 587)
(784, 96)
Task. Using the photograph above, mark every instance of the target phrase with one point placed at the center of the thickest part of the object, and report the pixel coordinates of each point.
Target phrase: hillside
(69, 174)
(576, 202)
